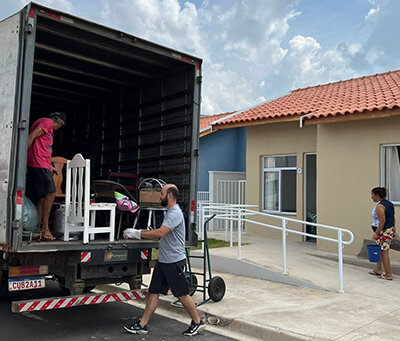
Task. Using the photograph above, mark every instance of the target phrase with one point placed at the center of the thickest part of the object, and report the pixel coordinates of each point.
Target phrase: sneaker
(136, 328)
(194, 328)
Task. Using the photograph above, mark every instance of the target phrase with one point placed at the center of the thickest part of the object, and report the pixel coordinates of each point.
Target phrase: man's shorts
(39, 183)
(386, 238)
(169, 275)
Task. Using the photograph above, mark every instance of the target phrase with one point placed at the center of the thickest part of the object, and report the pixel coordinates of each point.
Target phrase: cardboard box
(150, 197)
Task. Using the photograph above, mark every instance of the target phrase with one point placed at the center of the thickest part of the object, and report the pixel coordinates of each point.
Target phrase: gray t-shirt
(172, 245)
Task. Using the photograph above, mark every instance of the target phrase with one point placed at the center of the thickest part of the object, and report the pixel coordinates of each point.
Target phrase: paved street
(97, 322)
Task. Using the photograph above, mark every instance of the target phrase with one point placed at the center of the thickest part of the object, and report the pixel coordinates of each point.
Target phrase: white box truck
(131, 105)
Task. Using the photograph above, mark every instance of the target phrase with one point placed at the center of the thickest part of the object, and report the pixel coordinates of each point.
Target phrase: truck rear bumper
(76, 300)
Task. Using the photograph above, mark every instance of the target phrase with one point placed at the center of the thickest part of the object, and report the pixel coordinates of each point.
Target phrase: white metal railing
(239, 213)
(203, 196)
(224, 212)
(231, 191)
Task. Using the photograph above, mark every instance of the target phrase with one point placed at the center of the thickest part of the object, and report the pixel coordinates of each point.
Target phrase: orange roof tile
(205, 121)
(365, 94)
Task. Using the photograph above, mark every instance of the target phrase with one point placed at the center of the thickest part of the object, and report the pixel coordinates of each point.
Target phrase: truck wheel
(3, 283)
(64, 290)
(216, 288)
(192, 284)
(135, 282)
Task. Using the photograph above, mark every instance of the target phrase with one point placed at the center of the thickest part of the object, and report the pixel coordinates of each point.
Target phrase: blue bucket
(374, 253)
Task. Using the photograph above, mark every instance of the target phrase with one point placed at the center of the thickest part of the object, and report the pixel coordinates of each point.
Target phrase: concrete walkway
(262, 304)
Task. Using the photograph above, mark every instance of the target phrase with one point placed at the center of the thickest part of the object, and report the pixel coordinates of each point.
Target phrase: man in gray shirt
(169, 270)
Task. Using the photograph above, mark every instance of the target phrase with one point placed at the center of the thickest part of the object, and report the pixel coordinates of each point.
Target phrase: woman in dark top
(385, 231)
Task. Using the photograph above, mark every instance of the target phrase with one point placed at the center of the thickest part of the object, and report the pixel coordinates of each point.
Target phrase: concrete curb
(226, 326)
(266, 333)
(254, 330)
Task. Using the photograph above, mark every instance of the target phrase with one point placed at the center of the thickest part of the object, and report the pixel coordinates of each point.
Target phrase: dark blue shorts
(169, 275)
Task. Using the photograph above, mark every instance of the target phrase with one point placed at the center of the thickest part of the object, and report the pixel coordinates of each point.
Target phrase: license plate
(26, 284)
(116, 255)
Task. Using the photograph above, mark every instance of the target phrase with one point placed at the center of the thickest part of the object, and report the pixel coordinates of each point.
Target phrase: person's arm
(380, 212)
(155, 234)
(34, 135)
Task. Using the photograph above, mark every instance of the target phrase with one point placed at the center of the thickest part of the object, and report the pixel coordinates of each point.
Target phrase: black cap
(60, 115)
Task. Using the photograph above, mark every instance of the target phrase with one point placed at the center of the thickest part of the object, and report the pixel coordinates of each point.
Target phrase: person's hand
(54, 170)
(375, 236)
(133, 233)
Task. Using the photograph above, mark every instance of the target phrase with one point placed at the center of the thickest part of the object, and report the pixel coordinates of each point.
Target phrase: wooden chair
(59, 163)
(80, 214)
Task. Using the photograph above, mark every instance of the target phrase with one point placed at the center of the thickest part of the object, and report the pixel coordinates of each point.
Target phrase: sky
(256, 50)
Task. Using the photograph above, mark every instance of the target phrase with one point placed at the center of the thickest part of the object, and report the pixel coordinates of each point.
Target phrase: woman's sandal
(374, 273)
(387, 278)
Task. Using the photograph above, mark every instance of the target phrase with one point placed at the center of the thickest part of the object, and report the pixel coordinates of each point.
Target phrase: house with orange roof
(222, 153)
(316, 153)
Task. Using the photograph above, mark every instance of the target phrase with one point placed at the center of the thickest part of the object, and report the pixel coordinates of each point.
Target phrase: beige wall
(273, 139)
(348, 167)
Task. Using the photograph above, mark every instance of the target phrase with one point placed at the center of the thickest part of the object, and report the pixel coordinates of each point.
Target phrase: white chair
(80, 214)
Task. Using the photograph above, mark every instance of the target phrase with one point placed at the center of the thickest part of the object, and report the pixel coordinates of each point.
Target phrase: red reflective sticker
(185, 58)
(53, 15)
(19, 197)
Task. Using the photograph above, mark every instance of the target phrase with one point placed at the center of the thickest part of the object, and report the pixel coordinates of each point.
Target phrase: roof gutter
(304, 116)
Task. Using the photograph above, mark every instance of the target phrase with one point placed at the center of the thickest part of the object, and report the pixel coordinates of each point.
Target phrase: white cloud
(354, 48)
(225, 90)
(308, 64)
(164, 22)
(246, 39)
(373, 13)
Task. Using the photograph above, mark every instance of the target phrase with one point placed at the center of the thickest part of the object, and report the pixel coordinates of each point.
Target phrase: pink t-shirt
(39, 154)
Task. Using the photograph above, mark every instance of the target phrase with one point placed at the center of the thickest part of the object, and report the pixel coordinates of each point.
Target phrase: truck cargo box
(132, 106)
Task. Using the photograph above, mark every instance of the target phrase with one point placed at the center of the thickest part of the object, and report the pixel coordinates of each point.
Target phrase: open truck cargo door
(10, 61)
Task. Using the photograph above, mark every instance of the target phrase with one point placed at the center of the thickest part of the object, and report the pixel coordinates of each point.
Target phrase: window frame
(278, 170)
(383, 167)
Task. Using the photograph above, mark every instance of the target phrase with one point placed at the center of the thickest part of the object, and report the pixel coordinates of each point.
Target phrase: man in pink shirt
(40, 183)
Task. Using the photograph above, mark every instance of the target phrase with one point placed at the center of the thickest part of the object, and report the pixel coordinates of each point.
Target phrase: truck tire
(216, 288)
(3, 283)
(64, 290)
(135, 282)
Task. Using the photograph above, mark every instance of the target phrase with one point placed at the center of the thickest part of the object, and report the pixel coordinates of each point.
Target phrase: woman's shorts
(386, 238)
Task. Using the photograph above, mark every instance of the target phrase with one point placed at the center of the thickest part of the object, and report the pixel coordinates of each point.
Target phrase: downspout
(304, 116)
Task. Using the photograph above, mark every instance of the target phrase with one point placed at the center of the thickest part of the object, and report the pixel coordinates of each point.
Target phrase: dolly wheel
(135, 282)
(216, 288)
(193, 285)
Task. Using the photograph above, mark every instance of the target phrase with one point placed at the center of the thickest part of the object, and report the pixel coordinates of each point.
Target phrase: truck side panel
(9, 60)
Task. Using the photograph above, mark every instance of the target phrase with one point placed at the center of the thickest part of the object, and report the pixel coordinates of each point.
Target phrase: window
(391, 171)
(279, 183)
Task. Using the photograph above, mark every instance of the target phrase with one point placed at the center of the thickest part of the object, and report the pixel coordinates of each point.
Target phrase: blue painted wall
(223, 150)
